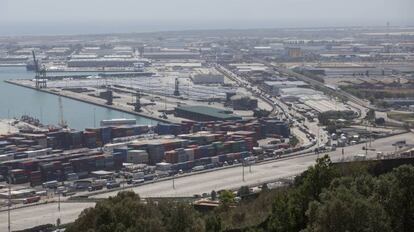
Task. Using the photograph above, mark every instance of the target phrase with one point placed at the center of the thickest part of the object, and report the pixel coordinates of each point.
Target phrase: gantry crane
(40, 78)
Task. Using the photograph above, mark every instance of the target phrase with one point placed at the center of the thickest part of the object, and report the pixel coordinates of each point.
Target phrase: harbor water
(16, 101)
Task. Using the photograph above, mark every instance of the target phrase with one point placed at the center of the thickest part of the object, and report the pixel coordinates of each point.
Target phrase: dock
(90, 101)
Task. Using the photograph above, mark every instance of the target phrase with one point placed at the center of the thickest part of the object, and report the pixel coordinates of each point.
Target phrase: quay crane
(40, 78)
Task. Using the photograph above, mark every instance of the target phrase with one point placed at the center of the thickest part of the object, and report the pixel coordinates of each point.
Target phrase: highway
(28, 217)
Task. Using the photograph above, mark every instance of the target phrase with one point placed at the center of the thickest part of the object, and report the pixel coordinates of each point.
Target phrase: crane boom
(35, 61)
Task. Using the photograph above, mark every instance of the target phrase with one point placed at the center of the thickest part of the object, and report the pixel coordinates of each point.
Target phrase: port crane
(40, 78)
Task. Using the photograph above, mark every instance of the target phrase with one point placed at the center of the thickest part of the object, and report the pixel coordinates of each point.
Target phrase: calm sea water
(16, 101)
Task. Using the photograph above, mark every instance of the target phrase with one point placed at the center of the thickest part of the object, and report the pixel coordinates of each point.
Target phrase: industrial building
(243, 103)
(204, 113)
(275, 86)
(207, 76)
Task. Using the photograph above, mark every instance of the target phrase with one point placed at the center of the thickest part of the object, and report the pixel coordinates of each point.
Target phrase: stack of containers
(29, 165)
(171, 157)
(202, 152)
(35, 178)
(137, 156)
(190, 153)
(118, 132)
(67, 168)
(99, 162)
(156, 153)
(81, 164)
(18, 176)
(119, 158)
(218, 147)
(182, 155)
(109, 162)
(106, 135)
(51, 170)
(90, 139)
(168, 129)
(75, 139)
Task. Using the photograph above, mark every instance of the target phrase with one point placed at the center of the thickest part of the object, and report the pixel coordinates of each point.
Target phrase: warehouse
(275, 86)
(207, 76)
(204, 113)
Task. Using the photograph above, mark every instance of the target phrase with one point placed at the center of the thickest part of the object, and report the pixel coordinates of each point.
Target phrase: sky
(20, 17)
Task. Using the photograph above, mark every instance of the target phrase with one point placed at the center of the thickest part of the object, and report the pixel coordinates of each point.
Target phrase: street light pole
(173, 180)
(58, 220)
(243, 170)
(318, 142)
(8, 210)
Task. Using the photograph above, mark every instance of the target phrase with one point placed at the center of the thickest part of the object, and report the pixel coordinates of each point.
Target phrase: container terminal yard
(230, 110)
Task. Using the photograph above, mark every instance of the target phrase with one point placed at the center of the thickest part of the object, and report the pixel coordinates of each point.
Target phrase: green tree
(343, 209)
(213, 224)
(293, 141)
(395, 191)
(243, 191)
(226, 198)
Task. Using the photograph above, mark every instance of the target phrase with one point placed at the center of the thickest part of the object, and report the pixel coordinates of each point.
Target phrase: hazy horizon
(50, 17)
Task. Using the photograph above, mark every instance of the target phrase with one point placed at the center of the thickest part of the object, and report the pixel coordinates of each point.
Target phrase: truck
(95, 187)
(113, 184)
(30, 200)
(198, 168)
(51, 184)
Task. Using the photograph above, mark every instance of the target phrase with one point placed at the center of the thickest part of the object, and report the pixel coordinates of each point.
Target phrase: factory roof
(209, 111)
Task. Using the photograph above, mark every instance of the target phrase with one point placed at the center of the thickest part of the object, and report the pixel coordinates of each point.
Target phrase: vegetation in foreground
(324, 198)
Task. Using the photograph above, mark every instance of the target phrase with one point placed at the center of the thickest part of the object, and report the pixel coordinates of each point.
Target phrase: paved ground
(196, 184)
(43, 214)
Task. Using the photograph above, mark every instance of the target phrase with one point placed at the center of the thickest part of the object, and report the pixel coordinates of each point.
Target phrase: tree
(293, 141)
(289, 208)
(243, 191)
(343, 209)
(395, 191)
(213, 195)
(125, 212)
(226, 198)
(265, 188)
(370, 115)
(213, 224)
